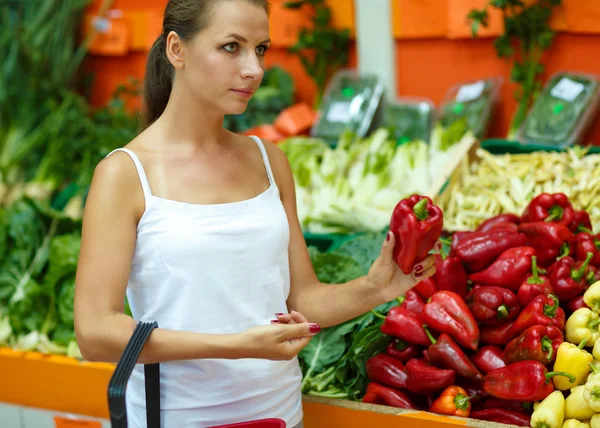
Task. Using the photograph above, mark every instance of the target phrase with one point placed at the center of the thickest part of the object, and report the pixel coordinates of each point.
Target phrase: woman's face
(224, 62)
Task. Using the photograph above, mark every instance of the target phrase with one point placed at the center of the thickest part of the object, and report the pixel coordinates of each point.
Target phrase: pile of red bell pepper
(479, 338)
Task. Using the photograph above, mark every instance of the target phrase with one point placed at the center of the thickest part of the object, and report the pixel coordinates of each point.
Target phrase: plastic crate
(500, 146)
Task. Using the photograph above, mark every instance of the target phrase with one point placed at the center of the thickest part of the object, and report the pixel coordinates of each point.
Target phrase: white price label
(339, 111)
(470, 92)
(567, 89)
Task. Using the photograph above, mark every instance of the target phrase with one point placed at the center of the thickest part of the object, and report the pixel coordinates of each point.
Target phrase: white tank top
(217, 269)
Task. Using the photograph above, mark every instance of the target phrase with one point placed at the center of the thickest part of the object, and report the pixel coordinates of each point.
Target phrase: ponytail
(158, 82)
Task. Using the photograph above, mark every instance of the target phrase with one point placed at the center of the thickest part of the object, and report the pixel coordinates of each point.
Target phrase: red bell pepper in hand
(417, 225)
(502, 416)
(386, 370)
(550, 240)
(534, 285)
(542, 310)
(549, 208)
(386, 396)
(405, 325)
(426, 288)
(445, 353)
(423, 378)
(509, 270)
(496, 335)
(403, 351)
(447, 312)
(413, 302)
(524, 381)
(501, 219)
(582, 222)
(576, 303)
(453, 401)
(451, 276)
(493, 305)
(481, 249)
(489, 358)
(584, 244)
(538, 343)
(568, 279)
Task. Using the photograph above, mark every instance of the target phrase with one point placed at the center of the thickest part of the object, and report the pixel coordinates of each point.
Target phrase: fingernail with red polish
(418, 274)
(274, 322)
(314, 328)
(418, 268)
(279, 314)
(388, 237)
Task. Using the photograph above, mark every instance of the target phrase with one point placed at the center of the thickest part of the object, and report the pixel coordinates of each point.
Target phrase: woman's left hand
(388, 280)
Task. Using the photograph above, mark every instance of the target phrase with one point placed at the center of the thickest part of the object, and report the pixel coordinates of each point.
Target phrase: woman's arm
(331, 304)
(113, 208)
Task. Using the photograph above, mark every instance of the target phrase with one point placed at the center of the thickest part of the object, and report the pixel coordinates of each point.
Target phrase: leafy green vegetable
(408, 120)
(556, 114)
(364, 249)
(333, 268)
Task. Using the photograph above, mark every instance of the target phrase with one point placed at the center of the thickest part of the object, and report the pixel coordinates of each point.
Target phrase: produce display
(507, 330)
(409, 119)
(494, 184)
(563, 110)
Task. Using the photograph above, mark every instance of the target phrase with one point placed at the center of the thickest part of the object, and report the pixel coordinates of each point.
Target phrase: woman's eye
(231, 47)
(261, 50)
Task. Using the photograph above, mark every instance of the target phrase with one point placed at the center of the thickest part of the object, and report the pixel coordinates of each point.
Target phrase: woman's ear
(175, 50)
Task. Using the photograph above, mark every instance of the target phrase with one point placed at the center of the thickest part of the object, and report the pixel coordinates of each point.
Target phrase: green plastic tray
(499, 146)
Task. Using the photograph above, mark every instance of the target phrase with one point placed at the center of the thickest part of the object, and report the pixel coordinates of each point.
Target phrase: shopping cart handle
(120, 377)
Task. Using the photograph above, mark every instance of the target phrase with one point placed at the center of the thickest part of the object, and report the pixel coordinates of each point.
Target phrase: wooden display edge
(63, 384)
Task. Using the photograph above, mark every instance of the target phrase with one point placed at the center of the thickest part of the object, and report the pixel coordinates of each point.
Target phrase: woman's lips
(247, 93)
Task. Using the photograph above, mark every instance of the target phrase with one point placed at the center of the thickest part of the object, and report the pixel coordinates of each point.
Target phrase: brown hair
(186, 18)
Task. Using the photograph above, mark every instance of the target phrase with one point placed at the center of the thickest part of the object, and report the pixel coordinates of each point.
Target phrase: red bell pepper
(405, 325)
(489, 358)
(584, 244)
(386, 370)
(550, 240)
(537, 343)
(542, 310)
(423, 378)
(403, 351)
(453, 401)
(480, 250)
(447, 312)
(493, 305)
(501, 219)
(417, 225)
(549, 208)
(496, 335)
(582, 222)
(523, 380)
(568, 278)
(576, 303)
(445, 353)
(386, 396)
(426, 288)
(502, 416)
(534, 285)
(413, 302)
(509, 270)
(450, 275)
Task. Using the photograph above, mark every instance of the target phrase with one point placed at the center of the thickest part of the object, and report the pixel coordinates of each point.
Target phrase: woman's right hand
(281, 340)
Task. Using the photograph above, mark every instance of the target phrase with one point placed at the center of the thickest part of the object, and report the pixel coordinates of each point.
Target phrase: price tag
(63, 422)
(566, 89)
(339, 112)
(470, 92)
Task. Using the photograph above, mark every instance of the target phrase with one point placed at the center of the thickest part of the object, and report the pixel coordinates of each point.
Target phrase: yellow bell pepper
(595, 421)
(576, 407)
(550, 413)
(574, 423)
(583, 324)
(591, 391)
(596, 350)
(592, 296)
(574, 360)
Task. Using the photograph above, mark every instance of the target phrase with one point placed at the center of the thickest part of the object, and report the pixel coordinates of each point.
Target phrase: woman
(199, 227)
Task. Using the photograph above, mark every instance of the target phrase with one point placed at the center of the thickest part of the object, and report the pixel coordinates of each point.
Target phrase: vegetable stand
(65, 386)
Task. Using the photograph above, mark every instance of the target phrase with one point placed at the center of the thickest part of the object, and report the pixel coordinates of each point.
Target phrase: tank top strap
(265, 157)
(140, 170)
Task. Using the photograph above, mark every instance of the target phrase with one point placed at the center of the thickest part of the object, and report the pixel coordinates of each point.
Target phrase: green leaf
(294, 4)
(503, 47)
(326, 347)
(545, 39)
